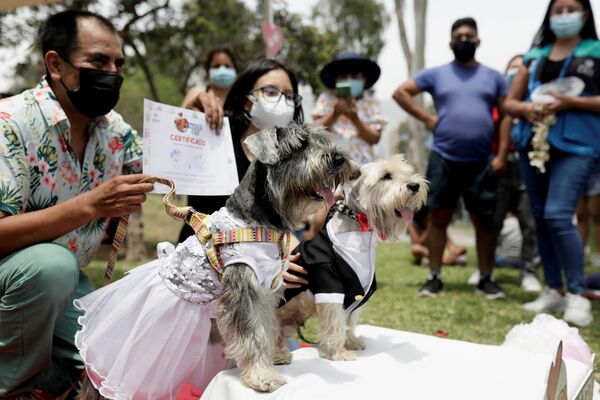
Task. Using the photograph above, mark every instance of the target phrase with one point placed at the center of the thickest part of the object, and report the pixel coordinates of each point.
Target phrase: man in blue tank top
(461, 161)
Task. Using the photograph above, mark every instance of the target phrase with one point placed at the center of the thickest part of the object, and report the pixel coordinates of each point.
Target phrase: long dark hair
(218, 50)
(236, 99)
(545, 36)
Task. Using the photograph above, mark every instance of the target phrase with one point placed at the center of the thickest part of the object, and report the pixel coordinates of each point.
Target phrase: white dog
(340, 259)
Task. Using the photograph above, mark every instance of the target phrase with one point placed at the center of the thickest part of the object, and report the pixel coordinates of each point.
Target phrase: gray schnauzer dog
(379, 202)
(295, 170)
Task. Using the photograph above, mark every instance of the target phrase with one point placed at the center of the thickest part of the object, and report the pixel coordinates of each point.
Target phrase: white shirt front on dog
(358, 250)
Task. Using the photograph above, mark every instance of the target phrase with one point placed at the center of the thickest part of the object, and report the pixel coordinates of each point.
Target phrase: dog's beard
(295, 203)
(296, 207)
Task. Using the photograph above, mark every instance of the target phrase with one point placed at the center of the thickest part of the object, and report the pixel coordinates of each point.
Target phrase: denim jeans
(553, 196)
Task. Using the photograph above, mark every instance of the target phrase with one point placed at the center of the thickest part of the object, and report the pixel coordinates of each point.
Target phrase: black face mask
(98, 92)
(464, 51)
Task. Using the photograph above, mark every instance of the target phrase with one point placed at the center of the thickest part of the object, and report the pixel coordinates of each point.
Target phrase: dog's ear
(397, 158)
(264, 146)
(354, 171)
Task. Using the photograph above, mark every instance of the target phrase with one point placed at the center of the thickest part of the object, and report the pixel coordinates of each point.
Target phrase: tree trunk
(148, 75)
(135, 238)
(420, 7)
(415, 61)
(403, 36)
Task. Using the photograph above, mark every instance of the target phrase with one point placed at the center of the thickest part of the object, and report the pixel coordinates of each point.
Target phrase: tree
(356, 25)
(306, 49)
(415, 61)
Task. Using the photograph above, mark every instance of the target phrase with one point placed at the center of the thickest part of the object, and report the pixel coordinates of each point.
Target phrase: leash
(305, 340)
(178, 213)
(211, 241)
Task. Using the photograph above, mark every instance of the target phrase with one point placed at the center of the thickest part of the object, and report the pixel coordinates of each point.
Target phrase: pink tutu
(141, 341)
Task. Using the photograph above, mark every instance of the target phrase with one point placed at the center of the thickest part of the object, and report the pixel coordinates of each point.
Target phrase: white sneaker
(530, 283)
(578, 311)
(550, 300)
(474, 278)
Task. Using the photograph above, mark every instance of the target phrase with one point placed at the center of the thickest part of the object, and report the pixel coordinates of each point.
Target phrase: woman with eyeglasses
(263, 96)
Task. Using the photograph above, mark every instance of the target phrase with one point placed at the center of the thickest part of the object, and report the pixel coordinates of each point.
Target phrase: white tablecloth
(403, 365)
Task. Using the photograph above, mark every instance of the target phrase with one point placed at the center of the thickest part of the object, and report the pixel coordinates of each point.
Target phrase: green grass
(395, 304)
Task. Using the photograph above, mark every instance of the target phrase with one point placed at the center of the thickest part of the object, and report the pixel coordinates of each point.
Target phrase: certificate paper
(179, 145)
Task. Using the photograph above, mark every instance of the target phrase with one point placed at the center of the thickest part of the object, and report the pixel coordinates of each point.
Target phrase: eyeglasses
(272, 95)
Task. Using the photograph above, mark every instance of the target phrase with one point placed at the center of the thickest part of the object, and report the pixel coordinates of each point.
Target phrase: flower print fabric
(39, 170)
(346, 134)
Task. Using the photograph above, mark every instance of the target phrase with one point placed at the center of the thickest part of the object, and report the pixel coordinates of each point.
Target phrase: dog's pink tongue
(407, 214)
(327, 195)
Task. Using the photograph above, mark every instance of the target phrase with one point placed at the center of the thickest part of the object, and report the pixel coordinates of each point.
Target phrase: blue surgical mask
(357, 86)
(566, 26)
(222, 77)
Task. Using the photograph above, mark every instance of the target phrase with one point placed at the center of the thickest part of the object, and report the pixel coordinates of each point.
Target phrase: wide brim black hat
(349, 61)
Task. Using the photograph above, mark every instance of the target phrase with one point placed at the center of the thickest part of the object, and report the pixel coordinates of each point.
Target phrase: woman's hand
(291, 281)
(561, 103)
(340, 107)
(351, 111)
(207, 103)
(533, 112)
(499, 166)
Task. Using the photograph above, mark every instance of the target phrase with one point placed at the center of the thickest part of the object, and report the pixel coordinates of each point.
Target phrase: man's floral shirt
(38, 169)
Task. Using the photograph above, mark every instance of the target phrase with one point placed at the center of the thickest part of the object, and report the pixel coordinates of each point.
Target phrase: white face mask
(265, 114)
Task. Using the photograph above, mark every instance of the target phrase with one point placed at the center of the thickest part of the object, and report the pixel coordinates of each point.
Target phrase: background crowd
(70, 162)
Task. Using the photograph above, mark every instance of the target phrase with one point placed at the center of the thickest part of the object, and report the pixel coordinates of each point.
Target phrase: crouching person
(63, 171)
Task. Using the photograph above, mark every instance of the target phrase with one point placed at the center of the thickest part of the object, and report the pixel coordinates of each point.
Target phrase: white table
(403, 365)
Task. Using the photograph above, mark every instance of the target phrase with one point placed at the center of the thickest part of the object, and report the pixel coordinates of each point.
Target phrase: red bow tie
(363, 221)
(363, 224)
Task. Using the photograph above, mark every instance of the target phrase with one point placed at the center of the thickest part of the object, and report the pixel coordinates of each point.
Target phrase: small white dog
(340, 260)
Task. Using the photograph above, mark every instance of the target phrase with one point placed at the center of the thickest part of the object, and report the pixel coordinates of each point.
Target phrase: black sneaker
(431, 287)
(490, 289)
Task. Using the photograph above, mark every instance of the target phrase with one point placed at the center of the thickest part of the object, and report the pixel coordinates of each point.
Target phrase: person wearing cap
(347, 110)
(461, 163)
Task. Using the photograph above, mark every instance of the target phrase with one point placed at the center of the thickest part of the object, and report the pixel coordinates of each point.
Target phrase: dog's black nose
(338, 160)
(413, 187)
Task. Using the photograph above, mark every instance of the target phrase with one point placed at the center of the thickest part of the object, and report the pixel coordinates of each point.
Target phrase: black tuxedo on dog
(335, 274)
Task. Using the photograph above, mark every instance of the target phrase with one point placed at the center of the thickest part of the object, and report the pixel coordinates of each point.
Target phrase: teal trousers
(38, 321)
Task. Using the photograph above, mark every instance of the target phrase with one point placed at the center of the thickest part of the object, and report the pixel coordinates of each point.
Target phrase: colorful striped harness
(211, 241)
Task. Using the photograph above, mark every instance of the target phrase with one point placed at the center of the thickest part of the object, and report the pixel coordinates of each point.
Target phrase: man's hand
(209, 104)
(498, 166)
(122, 195)
(291, 281)
(431, 123)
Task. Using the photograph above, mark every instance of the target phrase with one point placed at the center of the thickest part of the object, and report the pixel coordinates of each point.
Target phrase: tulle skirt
(140, 341)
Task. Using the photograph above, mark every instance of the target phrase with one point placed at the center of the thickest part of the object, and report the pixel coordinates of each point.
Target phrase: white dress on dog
(147, 334)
